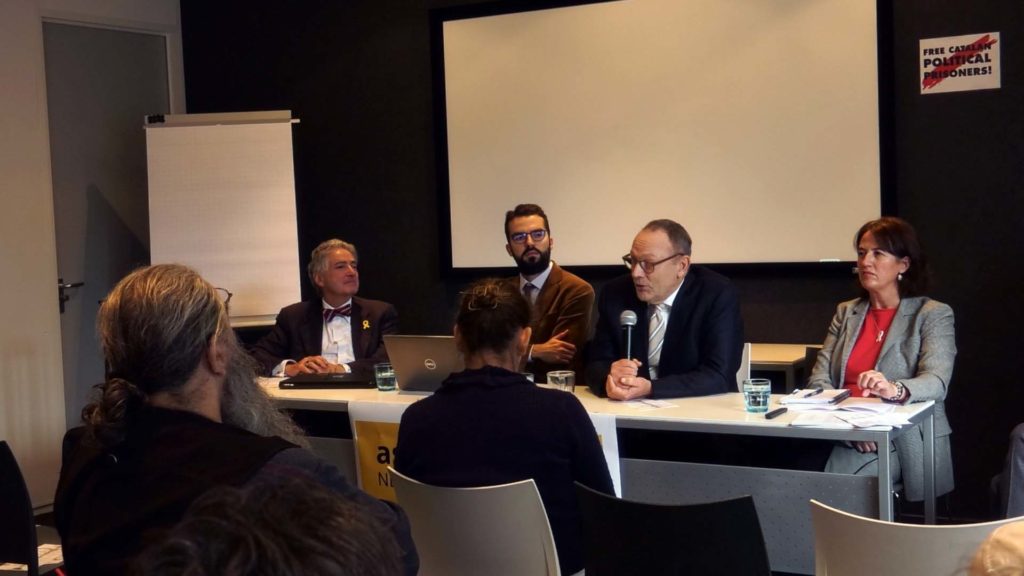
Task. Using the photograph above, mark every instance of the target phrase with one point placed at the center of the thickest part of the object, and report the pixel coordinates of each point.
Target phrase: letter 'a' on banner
(375, 435)
(960, 63)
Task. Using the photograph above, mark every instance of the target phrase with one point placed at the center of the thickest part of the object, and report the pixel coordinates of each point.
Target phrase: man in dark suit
(688, 337)
(560, 300)
(339, 332)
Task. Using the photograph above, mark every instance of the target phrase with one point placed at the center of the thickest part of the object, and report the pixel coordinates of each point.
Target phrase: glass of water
(562, 380)
(384, 376)
(757, 393)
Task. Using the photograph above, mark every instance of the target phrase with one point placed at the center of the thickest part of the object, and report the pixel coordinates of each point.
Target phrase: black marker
(776, 412)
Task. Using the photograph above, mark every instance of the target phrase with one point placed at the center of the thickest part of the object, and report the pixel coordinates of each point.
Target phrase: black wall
(358, 75)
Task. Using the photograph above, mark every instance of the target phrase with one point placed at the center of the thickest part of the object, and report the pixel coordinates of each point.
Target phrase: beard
(248, 407)
(529, 268)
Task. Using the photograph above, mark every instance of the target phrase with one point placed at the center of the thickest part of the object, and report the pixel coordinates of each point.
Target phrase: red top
(864, 355)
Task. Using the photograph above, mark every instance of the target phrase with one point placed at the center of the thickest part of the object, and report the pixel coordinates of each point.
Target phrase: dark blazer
(563, 303)
(703, 341)
(299, 333)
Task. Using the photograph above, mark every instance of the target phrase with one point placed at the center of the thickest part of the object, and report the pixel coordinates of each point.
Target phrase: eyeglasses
(647, 267)
(224, 295)
(535, 235)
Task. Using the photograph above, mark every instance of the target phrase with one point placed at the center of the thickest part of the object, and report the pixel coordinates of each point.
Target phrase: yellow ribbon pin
(366, 324)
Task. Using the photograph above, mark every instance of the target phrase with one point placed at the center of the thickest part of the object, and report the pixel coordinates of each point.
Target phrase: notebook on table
(340, 381)
(422, 362)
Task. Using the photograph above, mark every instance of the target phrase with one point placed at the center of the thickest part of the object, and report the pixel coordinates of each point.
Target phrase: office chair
(18, 540)
(848, 544)
(626, 537)
(744, 371)
(810, 358)
(494, 530)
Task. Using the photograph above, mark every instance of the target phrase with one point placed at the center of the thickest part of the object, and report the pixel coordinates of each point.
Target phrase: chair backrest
(744, 372)
(488, 530)
(810, 359)
(17, 522)
(625, 537)
(846, 543)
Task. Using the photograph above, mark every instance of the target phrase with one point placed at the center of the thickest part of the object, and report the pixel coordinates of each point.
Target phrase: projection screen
(754, 123)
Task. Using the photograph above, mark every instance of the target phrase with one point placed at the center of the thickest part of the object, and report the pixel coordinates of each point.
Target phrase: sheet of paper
(862, 405)
(644, 404)
(820, 419)
(658, 403)
(49, 554)
(862, 420)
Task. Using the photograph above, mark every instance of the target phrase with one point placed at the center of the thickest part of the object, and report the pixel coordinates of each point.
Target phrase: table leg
(928, 428)
(884, 481)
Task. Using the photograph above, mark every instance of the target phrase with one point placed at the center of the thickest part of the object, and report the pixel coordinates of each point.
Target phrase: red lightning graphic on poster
(962, 57)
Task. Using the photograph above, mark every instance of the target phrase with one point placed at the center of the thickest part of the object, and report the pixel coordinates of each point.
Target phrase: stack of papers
(862, 405)
(853, 413)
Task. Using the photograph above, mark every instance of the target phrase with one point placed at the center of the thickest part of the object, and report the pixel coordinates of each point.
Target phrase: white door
(100, 84)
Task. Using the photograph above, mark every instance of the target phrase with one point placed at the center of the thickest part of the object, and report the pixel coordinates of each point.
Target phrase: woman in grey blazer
(896, 344)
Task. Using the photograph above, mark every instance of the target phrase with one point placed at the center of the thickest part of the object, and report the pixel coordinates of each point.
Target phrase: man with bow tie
(338, 332)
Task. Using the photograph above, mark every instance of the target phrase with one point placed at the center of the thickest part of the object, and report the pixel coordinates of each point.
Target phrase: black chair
(18, 537)
(17, 522)
(624, 537)
(810, 359)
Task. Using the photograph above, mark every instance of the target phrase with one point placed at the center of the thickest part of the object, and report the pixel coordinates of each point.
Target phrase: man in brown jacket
(561, 301)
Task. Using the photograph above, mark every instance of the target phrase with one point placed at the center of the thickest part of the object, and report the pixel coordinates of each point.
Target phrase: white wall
(31, 377)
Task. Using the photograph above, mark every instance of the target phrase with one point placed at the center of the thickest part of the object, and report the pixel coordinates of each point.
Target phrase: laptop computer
(337, 381)
(422, 362)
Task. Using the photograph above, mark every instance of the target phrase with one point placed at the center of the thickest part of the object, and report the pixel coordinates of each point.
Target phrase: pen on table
(814, 392)
(776, 412)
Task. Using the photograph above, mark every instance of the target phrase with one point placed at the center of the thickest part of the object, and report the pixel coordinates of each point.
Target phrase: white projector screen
(754, 123)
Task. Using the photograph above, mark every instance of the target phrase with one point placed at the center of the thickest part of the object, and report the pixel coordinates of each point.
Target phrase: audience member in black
(489, 425)
(179, 413)
(294, 528)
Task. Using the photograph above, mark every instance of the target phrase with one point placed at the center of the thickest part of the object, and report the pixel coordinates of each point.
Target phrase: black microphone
(627, 320)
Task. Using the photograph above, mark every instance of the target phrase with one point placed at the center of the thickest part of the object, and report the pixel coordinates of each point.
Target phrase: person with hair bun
(892, 343)
(180, 413)
(490, 425)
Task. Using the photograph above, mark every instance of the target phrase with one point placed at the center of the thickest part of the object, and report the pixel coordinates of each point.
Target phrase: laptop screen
(422, 362)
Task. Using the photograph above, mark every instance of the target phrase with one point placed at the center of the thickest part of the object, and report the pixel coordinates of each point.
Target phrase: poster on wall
(960, 63)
